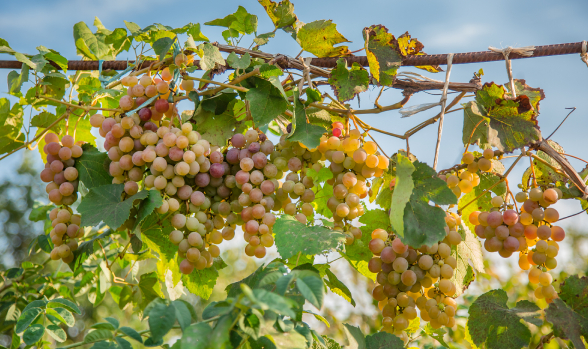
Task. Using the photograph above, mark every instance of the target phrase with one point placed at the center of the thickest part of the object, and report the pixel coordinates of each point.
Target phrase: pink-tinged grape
(186, 267)
(425, 262)
(501, 232)
(511, 244)
(551, 215)
(251, 227)
(162, 106)
(47, 175)
(375, 265)
(543, 232)
(131, 188)
(516, 230)
(217, 170)
(66, 189)
(388, 255)
(493, 244)
(178, 220)
(246, 164)
(538, 214)
(67, 141)
(96, 120)
(294, 164)
(550, 196)
(510, 217)
(260, 251)
(399, 247)
(337, 132)
(254, 147)
(494, 219)
(557, 233)
(259, 160)
(59, 178)
(53, 148)
(51, 137)
(176, 237)
(380, 234)
(376, 246)
(126, 102)
(55, 196)
(238, 140)
(56, 166)
(400, 264)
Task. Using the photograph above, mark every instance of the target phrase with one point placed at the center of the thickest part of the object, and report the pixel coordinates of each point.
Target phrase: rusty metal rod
(330, 62)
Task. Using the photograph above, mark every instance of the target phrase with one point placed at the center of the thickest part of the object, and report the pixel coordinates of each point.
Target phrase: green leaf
(92, 167)
(337, 287)
(97, 336)
(381, 340)
(468, 250)
(425, 224)
(57, 333)
(413, 325)
(241, 21)
(209, 56)
(43, 119)
(321, 176)
(302, 131)
(64, 303)
(33, 334)
(354, 337)
(155, 234)
(88, 44)
(492, 323)
(197, 336)
(63, 315)
(150, 289)
(382, 55)
(348, 83)
(162, 318)
(436, 334)
(27, 318)
(569, 312)
(281, 14)
(270, 301)
(263, 39)
(39, 212)
(293, 237)
(319, 38)
(196, 34)
(252, 281)
(15, 80)
(58, 59)
(483, 202)
(148, 205)
(494, 121)
(545, 175)
(402, 193)
(182, 314)
(131, 333)
(161, 46)
(114, 322)
(266, 102)
(216, 128)
(201, 282)
(123, 343)
(313, 289)
(104, 203)
(237, 62)
(219, 338)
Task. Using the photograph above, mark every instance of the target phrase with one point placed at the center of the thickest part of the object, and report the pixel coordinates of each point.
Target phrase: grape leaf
(209, 56)
(215, 128)
(436, 334)
(155, 234)
(425, 224)
(545, 175)
(148, 205)
(237, 62)
(201, 282)
(319, 38)
(492, 323)
(348, 83)
(293, 237)
(92, 167)
(302, 131)
(494, 121)
(15, 80)
(337, 287)
(354, 337)
(468, 250)
(240, 21)
(281, 14)
(383, 340)
(322, 194)
(265, 102)
(408, 45)
(104, 203)
(161, 46)
(569, 312)
(383, 57)
(402, 192)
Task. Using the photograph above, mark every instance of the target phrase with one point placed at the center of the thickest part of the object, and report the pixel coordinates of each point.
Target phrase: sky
(442, 26)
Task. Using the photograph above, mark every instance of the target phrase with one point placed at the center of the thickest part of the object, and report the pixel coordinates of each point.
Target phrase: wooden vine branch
(564, 163)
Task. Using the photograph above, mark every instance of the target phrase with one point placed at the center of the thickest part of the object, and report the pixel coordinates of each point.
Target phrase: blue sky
(450, 26)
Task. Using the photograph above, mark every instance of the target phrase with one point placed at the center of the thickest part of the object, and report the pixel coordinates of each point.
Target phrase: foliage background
(455, 26)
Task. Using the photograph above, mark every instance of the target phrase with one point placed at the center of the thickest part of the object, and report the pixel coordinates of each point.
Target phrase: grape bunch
(60, 172)
(353, 162)
(409, 278)
(65, 233)
(465, 180)
(530, 232)
(62, 178)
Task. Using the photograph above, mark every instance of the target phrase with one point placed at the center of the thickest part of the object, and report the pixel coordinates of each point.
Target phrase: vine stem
(237, 88)
(86, 107)
(67, 112)
(493, 185)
